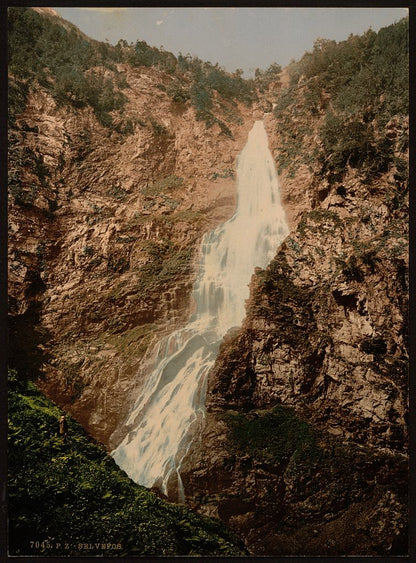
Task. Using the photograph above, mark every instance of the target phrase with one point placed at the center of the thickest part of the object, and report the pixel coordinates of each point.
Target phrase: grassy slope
(74, 493)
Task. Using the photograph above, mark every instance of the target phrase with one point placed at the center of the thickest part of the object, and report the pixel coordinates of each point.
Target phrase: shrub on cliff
(272, 436)
(356, 87)
(72, 499)
(329, 486)
(41, 48)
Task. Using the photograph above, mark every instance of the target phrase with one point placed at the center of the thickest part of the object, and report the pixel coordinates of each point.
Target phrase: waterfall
(172, 400)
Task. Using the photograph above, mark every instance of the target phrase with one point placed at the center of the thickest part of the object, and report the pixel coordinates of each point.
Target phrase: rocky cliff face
(304, 445)
(104, 228)
(327, 321)
(304, 448)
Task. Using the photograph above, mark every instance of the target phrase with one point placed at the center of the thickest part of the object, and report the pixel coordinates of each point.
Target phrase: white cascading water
(173, 398)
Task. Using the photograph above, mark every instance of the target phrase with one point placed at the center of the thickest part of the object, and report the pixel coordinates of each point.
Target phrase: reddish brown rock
(108, 203)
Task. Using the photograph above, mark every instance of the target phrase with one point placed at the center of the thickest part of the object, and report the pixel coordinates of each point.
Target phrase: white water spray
(173, 397)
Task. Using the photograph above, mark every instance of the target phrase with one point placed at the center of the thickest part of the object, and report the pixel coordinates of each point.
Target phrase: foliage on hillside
(81, 72)
(355, 88)
(58, 58)
(72, 499)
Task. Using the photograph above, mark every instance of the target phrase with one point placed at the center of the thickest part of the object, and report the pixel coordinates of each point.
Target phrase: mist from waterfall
(173, 397)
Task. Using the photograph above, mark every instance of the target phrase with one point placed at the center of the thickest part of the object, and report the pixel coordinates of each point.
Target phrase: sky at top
(246, 38)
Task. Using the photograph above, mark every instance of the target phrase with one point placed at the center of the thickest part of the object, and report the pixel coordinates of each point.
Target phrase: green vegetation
(365, 257)
(196, 82)
(356, 87)
(138, 337)
(117, 192)
(351, 268)
(226, 173)
(204, 79)
(168, 183)
(158, 128)
(141, 54)
(376, 346)
(76, 383)
(78, 89)
(24, 163)
(325, 474)
(287, 305)
(272, 436)
(59, 57)
(319, 220)
(265, 77)
(178, 93)
(17, 93)
(88, 250)
(189, 216)
(80, 72)
(71, 498)
(166, 261)
(117, 263)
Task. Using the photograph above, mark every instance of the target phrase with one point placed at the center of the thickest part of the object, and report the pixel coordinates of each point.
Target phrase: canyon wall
(305, 439)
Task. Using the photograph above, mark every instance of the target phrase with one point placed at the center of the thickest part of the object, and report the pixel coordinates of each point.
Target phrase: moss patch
(272, 435)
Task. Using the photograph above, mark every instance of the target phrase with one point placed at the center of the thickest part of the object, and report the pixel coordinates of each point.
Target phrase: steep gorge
(305, 437)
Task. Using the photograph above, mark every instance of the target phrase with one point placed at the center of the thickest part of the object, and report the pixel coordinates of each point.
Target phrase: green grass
(65, 495)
